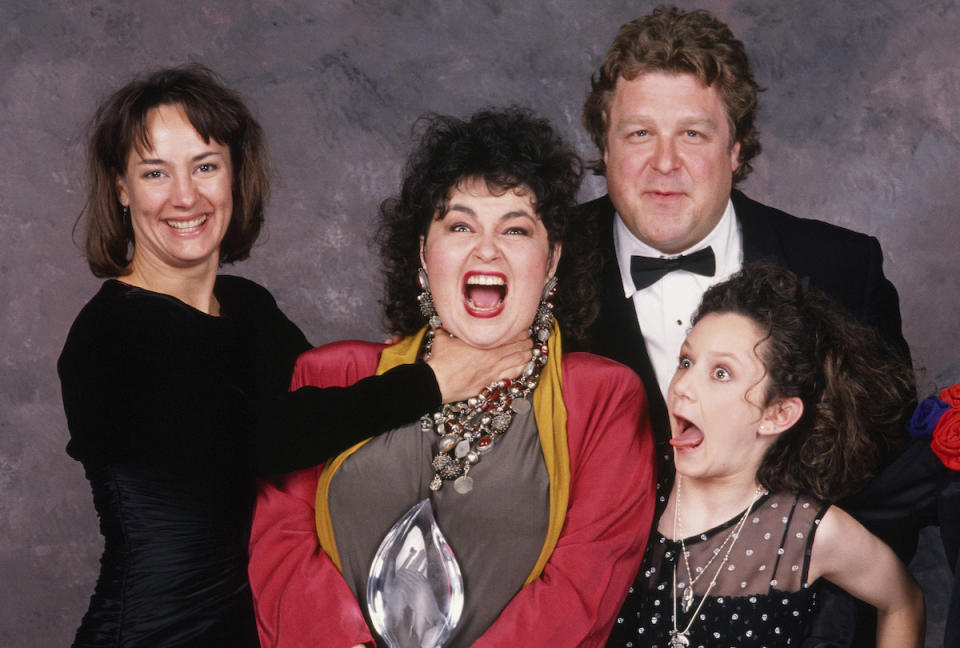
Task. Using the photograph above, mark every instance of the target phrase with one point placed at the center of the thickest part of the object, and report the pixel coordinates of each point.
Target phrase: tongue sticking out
(690, 437)
(485, 297)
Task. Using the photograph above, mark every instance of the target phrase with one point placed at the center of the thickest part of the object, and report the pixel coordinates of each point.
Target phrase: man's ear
(735, 156)
(780, 416)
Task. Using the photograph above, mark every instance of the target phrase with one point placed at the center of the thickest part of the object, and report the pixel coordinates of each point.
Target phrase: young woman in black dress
(779, 406)
(174, 378)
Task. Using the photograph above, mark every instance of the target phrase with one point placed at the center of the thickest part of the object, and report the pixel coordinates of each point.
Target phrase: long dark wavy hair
(507, 149)
(855, 389)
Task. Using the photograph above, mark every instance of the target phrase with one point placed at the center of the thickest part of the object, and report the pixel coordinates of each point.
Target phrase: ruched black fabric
(172, 568)
(173, 414)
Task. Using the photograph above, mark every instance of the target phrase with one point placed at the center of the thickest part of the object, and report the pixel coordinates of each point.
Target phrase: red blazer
(302, 600)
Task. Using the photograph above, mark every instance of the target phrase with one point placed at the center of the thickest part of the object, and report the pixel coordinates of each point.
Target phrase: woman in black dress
(781, 404)
(174, 378)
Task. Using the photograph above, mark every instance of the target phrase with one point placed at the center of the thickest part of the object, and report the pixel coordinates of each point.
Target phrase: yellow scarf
(551, 417)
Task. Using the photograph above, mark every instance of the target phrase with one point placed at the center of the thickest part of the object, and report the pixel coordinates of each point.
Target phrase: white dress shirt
(665, 308)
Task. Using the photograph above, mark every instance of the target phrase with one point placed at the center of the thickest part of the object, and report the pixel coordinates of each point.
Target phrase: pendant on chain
(463, 485)
(686, 601)
(678, 639)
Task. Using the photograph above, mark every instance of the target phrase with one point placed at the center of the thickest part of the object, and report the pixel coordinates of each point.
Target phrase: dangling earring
(549, 289)
(544, 317)
(125, 210)
(427, 308)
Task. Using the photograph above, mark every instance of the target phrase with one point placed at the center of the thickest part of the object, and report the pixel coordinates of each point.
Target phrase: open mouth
(187, 226)
(686, 434)
(484, 293)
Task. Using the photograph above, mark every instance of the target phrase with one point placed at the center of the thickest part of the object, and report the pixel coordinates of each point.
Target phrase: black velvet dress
(173, 414)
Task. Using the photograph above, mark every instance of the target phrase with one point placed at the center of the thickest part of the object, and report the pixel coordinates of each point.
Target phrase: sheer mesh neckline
(771, 553)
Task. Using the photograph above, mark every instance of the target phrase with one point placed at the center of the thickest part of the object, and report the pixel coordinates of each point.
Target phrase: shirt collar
(723, 239)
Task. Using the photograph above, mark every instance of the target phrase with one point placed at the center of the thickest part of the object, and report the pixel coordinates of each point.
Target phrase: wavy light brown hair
(673, 41)
(119, 126)
(856, 390)
(508, 149)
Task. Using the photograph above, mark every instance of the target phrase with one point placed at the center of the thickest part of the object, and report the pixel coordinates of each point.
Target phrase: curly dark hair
(120, 126)
(674, 41)
(508, 149)
(855, 389)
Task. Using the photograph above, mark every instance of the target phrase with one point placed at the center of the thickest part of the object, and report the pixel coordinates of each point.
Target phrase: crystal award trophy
(415, 589)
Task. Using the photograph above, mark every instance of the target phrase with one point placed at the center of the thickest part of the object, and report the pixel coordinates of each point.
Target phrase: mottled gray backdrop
(860, 127)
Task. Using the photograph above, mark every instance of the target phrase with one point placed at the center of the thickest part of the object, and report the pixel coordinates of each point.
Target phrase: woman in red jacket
(540, 488)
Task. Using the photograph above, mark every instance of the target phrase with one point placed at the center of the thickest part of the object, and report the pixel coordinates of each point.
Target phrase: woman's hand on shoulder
(849, 556)
(462, 370)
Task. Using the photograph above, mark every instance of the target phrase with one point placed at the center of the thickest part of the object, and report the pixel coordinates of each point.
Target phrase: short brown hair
(679, 42)
(120, 125)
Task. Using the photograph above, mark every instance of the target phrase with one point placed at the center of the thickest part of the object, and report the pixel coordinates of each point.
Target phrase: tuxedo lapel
(616, 334)
(759, 238)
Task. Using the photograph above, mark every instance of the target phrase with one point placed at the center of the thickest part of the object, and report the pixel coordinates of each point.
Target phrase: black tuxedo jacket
(847, 266)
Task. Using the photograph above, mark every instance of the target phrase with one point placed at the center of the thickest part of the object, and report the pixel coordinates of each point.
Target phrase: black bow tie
(647, 271)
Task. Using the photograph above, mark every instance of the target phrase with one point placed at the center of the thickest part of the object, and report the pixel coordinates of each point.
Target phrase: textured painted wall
(860, 127)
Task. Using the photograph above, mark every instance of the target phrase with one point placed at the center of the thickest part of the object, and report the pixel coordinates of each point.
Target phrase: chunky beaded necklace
(470, 429)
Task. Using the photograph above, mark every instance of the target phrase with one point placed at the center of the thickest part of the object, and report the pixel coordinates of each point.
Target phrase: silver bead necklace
(470, 429)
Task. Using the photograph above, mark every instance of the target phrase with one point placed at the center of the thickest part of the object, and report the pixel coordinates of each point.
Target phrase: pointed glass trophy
(415, 589)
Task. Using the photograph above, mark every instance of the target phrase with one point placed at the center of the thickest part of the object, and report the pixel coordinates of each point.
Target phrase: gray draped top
(496, 530)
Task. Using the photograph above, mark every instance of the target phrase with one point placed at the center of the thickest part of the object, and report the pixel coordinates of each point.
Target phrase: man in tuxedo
(672, 111)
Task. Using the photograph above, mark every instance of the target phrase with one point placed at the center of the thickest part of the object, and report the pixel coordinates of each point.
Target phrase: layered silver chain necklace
(680, 638)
